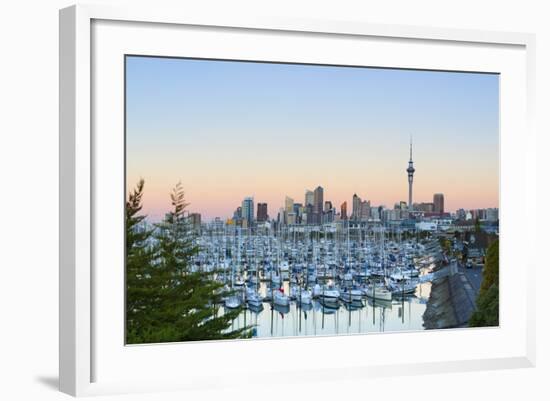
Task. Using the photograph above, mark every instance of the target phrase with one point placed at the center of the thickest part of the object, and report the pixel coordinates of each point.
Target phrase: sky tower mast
(410, 174)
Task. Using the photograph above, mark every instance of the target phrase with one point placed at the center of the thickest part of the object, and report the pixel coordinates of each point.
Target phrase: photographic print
(275, 200)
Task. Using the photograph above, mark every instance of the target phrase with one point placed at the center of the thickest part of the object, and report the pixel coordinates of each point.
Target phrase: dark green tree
(181, 302)
(139, 261)
(487, 311)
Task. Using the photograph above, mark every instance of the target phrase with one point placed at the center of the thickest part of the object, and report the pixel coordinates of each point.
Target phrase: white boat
(403, 288)
(275, 279)
(378, 292)
(252, 297)
(305, 297)
(329, 294)
(254, 300)
(316, 292)
(233, 302)
(350, 295)
(294, 292)
(279, 298)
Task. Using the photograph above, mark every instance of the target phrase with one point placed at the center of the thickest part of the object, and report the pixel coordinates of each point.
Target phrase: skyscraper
(247, 210)
(318, 204)
(262, 212)
(195, 220)
(410, 173)
(364, 210)
(309, 198)
(298, 210)
(355, 207)
(439, 203)
(344, 211)
(289, 204)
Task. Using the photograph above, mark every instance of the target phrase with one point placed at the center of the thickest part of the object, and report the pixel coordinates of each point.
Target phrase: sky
(231, 129)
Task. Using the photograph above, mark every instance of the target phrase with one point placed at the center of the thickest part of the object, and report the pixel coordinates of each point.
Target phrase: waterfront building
(427, 207)
(262, 212)
(461, 214)
(492, 214)
(426, 226)
(247, 211)
(439, 203)
(410, 174)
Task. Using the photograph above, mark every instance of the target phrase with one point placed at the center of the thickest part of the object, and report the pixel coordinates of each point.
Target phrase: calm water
(378, 316)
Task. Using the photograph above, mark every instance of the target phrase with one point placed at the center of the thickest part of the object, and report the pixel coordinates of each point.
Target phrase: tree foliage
(487, 311)
(168, 299)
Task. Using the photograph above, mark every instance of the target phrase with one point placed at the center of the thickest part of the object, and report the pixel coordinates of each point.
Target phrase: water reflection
(319, 318)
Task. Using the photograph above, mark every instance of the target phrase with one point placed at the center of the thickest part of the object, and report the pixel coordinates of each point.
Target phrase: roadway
(474, 275)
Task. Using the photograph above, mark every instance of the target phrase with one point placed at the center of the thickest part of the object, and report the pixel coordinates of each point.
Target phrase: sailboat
(279, 298)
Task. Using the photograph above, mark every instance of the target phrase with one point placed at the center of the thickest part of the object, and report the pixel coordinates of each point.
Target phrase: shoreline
(451, 302)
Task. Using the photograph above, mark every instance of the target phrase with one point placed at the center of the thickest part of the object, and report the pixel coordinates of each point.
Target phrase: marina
(323, 280)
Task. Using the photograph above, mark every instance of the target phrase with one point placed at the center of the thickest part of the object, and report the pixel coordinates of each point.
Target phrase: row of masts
(330, 270)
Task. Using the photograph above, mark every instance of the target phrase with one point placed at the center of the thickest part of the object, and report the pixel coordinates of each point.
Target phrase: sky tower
(410, 173)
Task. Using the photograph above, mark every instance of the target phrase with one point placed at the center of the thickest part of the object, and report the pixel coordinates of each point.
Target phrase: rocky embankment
(449, 304)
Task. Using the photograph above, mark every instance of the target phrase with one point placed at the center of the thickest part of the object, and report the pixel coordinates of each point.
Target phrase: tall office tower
(364, 210)
(328, 206)
(289, 204)
(439, 203)
(247, 208)
(238, 214)
(298, 210)
(318, 204)
(344, 211)
(281, 216)
(309, 198)
(262, 212)
(356, 207)
(309, 215)
(195, 220)
(410, 174)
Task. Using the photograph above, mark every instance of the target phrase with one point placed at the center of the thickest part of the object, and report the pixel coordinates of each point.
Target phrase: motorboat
(380, 292)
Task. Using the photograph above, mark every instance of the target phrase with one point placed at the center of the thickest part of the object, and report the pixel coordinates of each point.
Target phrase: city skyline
(229, 130)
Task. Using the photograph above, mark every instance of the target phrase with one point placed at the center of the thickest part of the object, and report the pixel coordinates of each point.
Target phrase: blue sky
(239, 126)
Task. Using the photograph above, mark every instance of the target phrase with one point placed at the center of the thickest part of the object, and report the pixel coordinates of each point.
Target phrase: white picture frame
(83, 344)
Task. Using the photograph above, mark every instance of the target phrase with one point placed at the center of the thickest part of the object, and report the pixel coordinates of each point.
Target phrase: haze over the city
(228, 130)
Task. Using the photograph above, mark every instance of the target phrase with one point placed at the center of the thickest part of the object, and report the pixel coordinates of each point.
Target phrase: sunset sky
(229, 129)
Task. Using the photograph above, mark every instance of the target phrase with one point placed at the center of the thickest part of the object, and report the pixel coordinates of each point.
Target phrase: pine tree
(181, 303)
(139, 261)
